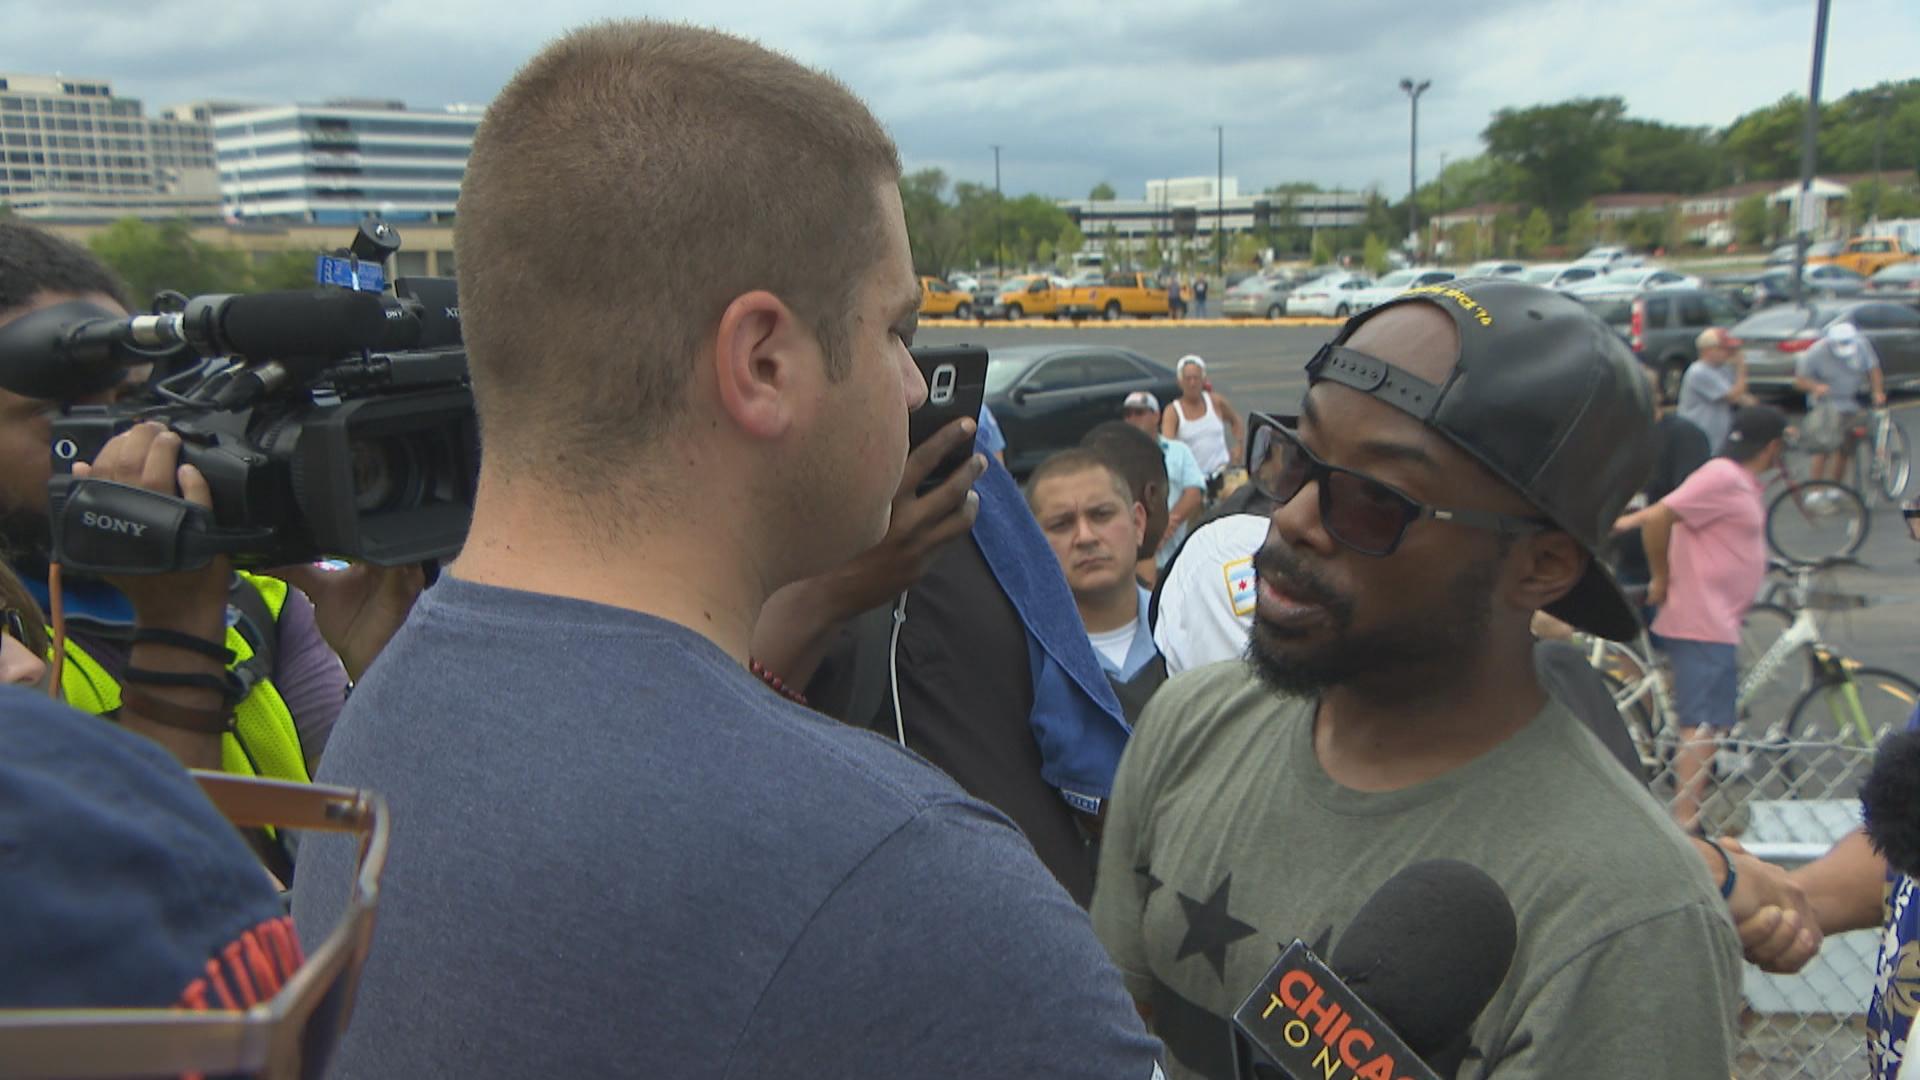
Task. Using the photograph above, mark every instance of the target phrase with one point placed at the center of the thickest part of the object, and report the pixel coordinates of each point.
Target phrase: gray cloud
(1077, 91)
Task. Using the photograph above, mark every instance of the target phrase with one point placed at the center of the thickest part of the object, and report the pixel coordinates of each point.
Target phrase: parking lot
(1259, 365)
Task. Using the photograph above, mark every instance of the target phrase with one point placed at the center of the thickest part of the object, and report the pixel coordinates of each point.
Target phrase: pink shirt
(1717, 557)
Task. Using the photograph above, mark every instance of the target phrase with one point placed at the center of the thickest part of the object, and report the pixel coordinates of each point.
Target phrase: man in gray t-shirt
(1840, 372)
(1714, 385)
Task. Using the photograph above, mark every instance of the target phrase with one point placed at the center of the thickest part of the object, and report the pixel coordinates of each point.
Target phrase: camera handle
(101, 527)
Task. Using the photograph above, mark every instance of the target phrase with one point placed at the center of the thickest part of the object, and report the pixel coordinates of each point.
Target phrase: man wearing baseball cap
(1186, 484)
(1841, 377)
(1462, 452)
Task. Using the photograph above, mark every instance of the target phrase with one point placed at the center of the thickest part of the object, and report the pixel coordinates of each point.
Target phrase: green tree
(1536, 234)
(1506, 234)
(1563, 154)
(1102, 192)
(1750, 220)
(1294, 187)
(1654, 157)
(284, 270)
(1150, 256)
(1070, 242)
(1374, 255)
(1246, 250)
(1583, 226)
(1044, 254)
(152, 257)
(934, 232)
(1118, 256)
(1322, 250)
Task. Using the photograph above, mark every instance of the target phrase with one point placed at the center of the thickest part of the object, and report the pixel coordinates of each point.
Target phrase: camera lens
(386, 474)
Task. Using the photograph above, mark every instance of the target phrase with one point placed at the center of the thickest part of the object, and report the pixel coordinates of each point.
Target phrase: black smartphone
(956, 386)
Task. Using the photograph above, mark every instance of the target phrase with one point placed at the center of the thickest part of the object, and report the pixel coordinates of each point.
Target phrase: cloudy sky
(1075, 91)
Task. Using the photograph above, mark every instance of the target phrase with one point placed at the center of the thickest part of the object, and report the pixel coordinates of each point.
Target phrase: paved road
(1259, 366)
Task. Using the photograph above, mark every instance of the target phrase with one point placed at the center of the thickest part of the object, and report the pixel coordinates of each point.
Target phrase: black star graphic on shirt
(1210, 929)
(1147, 876)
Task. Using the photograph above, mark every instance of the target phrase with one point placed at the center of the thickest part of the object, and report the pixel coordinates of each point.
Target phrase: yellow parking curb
(1041, 322)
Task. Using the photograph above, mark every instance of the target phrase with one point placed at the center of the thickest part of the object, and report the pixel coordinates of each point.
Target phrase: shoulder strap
(258, 626)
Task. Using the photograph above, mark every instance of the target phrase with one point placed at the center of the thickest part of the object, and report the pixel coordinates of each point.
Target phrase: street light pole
(999, 256)
(1882, 99)
(1414, 90)
(1220, 199)
(1808, 148)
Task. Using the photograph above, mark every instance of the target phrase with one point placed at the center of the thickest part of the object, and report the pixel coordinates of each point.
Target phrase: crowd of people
(724, 726)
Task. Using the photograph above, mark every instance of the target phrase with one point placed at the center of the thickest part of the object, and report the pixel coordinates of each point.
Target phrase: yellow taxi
(939, 298)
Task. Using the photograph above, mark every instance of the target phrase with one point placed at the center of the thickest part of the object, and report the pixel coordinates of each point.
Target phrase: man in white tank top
(1203, 419)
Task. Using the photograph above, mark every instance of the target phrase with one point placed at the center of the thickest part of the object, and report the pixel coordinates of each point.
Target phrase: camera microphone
(295, 323)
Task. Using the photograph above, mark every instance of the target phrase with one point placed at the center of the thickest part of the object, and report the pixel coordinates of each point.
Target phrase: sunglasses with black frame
(290, 1036)
(1366, 515)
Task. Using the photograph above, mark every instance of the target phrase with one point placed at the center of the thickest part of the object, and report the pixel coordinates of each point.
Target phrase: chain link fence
(1788, 801)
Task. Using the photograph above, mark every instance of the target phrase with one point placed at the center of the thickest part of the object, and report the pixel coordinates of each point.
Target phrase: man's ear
(762, 358)
(1551, 564)
(1139, 524)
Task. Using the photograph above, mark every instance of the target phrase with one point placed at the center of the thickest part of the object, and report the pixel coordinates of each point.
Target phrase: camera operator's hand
(186, 720)
(359, 608)
(790, 638)
(191, 601)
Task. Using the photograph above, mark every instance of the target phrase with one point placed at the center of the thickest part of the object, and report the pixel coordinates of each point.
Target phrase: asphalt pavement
(1260, 366)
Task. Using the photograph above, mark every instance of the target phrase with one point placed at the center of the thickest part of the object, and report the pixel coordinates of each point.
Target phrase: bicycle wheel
(1834, 743)
(1626, 676)
(1818, 519)
(1890, 473)
(1770, 702)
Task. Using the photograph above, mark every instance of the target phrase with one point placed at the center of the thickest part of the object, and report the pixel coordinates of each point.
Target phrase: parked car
(1396, 283)
(1825, 280)
(1028, 294)
(1495, 268)
(1899, 280)
(1127, 293)
(1559, 275)
(1866, 255)
(1819, 249)
(1091, 275)
(1608, 257)
(1775, 337)
(1329, 296)
(1046, 397)
(1636, 279)
(966, 283)
(937, 298)
(1257, 298)
(1661, 326)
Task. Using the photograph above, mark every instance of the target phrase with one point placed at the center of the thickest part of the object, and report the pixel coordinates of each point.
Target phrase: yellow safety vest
(268, 743)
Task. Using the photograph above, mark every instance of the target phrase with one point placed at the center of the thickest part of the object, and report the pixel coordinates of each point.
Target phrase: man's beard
(25, 533)
(1411, 657)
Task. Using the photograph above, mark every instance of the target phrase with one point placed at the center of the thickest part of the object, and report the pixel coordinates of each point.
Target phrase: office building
(71, 149)
(1189, 210)
(334, 163)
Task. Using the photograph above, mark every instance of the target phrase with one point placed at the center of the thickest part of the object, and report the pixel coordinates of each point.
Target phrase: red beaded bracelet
(773, 680)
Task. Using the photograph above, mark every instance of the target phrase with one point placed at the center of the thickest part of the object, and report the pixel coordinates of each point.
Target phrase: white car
(1329, 296)
(1636, 279)
(1396, 283)
(1559, 275)
(966, 283)
(1495, 268)
(1608, 257)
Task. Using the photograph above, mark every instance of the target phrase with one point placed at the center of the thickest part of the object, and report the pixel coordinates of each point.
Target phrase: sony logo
(109, 523)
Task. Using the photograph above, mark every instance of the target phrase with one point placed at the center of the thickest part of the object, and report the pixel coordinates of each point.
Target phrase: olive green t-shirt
(1225, 841)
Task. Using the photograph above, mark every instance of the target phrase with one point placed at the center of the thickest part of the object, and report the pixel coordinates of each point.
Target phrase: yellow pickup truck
(1029, 294)
(1132, 294)
(939, 298)
(1867, 255)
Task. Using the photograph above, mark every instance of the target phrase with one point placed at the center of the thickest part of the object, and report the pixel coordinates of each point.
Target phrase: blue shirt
(1896, 991)
(1183, 472)
(616, 853)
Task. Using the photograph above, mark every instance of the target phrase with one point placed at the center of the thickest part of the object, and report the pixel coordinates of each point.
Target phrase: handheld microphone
(1890, 802)
(1419, 962)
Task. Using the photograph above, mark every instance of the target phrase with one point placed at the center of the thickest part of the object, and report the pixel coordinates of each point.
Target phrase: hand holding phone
(956, 389)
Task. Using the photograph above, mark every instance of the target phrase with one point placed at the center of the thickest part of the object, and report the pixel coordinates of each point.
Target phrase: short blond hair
(631, 181)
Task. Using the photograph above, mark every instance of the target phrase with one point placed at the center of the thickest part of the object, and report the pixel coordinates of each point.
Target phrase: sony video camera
(336, 421)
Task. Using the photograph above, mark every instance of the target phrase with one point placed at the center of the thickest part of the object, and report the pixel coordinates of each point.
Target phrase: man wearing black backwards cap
(1461, 453)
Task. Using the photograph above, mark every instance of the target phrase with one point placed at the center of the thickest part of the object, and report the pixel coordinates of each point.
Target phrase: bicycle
(1838, 701)
(1882, 460)
(1814, 520)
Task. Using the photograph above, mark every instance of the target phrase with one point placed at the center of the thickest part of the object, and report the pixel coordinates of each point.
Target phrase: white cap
(1191, 359)
(1140, 399)
(1844, 337)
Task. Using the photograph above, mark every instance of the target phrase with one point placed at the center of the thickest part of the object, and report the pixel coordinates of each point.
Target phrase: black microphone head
(37, 360)
(1890, 801)
(303, 323)
(1428, 950)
